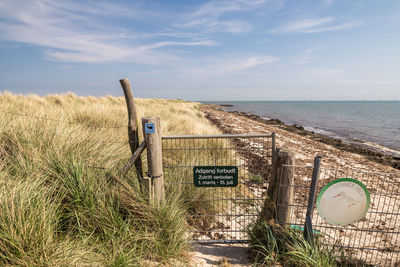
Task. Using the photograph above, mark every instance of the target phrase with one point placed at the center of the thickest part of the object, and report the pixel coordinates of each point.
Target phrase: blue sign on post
(149, 128)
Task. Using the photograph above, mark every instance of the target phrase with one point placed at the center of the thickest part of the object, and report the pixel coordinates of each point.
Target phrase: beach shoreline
(371, 151)
(354, 122)
(379, 172)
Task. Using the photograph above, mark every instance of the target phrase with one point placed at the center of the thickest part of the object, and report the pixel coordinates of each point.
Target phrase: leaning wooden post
(133, 126)
(152, 136)
(284, 196)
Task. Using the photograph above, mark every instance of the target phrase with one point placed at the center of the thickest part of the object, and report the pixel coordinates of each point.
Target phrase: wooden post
(273, 144)
(283, 192)
(272, 187)
(133, 125)
(152, 136)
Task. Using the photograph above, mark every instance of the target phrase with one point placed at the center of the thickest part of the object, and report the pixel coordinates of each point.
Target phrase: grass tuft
(274, 244)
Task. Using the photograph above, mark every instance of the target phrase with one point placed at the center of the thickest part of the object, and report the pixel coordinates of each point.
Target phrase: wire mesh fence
(219, 214)
(375, 239)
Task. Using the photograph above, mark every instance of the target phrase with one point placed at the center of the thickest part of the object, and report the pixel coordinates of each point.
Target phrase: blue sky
(203, 50)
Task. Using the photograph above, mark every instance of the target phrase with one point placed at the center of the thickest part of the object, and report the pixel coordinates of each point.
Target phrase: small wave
(386, 150)
(370, 145)
(323, 132)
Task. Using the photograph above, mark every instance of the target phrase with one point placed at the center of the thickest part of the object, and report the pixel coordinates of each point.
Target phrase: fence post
(273, 136)
(152, 136)
(272, 187)
(308, 231)
(133, 126)
(285, 161)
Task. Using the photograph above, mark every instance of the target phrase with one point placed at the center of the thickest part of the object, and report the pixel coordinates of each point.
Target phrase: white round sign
(343, 201)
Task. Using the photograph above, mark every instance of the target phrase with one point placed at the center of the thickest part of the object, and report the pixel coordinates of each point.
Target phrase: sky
(203, 50)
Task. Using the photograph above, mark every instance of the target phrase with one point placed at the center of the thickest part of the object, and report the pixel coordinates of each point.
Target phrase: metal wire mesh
(219, 214)
(375, 238)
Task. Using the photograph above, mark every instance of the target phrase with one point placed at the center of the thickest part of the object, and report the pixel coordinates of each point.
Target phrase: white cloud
(218, 8)
(229, 65)
(315, 25)
(305, 57)
(341, 26)
(75, 32)
(303, 25)
(171, 43)
(209, 17)
(235, 26)
(94, 53)
(213, 25)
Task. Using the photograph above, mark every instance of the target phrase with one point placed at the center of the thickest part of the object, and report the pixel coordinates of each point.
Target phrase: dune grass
(272, 244)
(62, 199)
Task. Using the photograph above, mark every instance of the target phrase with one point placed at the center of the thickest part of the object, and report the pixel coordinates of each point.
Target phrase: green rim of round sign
(345, 180)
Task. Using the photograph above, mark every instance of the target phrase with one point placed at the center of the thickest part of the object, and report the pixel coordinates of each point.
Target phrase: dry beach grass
(62, 200)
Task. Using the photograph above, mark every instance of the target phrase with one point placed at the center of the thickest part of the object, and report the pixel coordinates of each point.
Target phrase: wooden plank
(135, 156)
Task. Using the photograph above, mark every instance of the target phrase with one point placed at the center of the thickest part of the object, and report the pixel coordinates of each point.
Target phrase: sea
(365, 121)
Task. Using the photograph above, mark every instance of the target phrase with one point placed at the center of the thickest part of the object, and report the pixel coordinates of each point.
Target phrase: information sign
(343, 201)
(215, 176)
(149, 128)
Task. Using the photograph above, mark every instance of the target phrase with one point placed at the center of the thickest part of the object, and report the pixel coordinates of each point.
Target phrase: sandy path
(220, 255)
